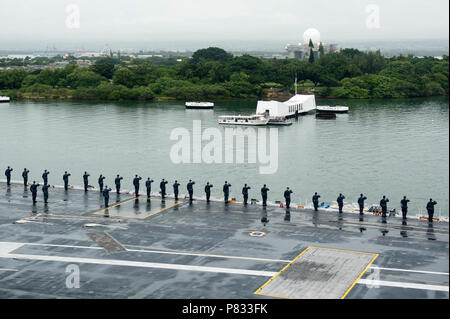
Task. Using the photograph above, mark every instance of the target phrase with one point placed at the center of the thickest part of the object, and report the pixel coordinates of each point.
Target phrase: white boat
(251, 120)
(332, 109)
(4, 99)
(294, 107)
(279, 121)
(200, 105)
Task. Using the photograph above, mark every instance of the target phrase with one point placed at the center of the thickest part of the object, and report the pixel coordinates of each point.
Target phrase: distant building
(300, 51)
(91, 54)
(84, 62)
(58, 65)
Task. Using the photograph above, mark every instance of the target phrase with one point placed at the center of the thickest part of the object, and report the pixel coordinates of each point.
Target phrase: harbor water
(385, 147)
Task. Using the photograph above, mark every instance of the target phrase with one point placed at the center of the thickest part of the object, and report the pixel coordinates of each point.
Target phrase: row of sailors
(190, 188)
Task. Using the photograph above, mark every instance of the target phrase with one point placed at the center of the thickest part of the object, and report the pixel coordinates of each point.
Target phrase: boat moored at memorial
(332, 109)
(250, 120)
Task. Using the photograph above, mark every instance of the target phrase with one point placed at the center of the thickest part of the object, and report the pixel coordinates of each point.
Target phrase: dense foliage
(215, 74)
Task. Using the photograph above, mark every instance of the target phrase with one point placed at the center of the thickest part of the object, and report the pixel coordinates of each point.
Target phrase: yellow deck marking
(68, 217)
(74, 217)
(112, 206)
(287, 266)
(101, 212)
(359, 277)
(310, 247)
(273, 296)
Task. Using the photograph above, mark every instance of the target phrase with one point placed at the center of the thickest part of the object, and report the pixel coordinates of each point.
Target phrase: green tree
(82, 77)
(253, 66)
(125, 77)
(213, 73)
(311, 71)
(29, 80)
(321, 49)
(50, 77)
(105, 67)
(311, 56)
(12, 79)
(211, 54)
(144, 74)
(217, 72)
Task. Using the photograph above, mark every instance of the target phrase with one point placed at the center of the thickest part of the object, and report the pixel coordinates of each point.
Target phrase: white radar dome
(311, 34)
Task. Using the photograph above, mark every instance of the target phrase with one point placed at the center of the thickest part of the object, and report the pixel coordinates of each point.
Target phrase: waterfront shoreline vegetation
(214, 74)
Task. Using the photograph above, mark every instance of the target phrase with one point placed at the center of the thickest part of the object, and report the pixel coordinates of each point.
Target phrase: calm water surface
(395, 147)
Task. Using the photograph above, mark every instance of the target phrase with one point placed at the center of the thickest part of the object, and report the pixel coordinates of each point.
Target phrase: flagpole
(295, 83)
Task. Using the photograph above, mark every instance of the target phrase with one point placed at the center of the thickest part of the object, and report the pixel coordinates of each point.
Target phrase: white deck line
(209, 255)
(7, 248)
(168, 252)
(415, 271)
(127, 263)
(402, 285)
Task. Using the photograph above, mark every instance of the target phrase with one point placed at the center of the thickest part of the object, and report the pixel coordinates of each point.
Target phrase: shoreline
(230, 99)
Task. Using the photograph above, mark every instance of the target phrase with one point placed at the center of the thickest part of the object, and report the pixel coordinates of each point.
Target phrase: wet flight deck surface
(141, 248)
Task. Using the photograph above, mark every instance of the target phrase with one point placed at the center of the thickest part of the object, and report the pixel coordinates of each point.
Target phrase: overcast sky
(147, 20)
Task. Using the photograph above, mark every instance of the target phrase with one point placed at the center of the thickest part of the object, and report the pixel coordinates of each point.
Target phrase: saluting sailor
(245, 193)
(100, 182)
(404, 204)
(86, 181)
(340, 201)
(226, 191)
(25, 177)
(315, 200)
(264, 191)
(117, 181)
(208, 187)
(136, 181)
(148, 185)
(190, 188)
(162, 186)
(45, 188)
(8, 175)
(430, 209)
(361, 201)
(106, 196)
(66, 180)
(176, 186)
(383, 204)
(287, 197)
(33, 189)
(45, 176)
